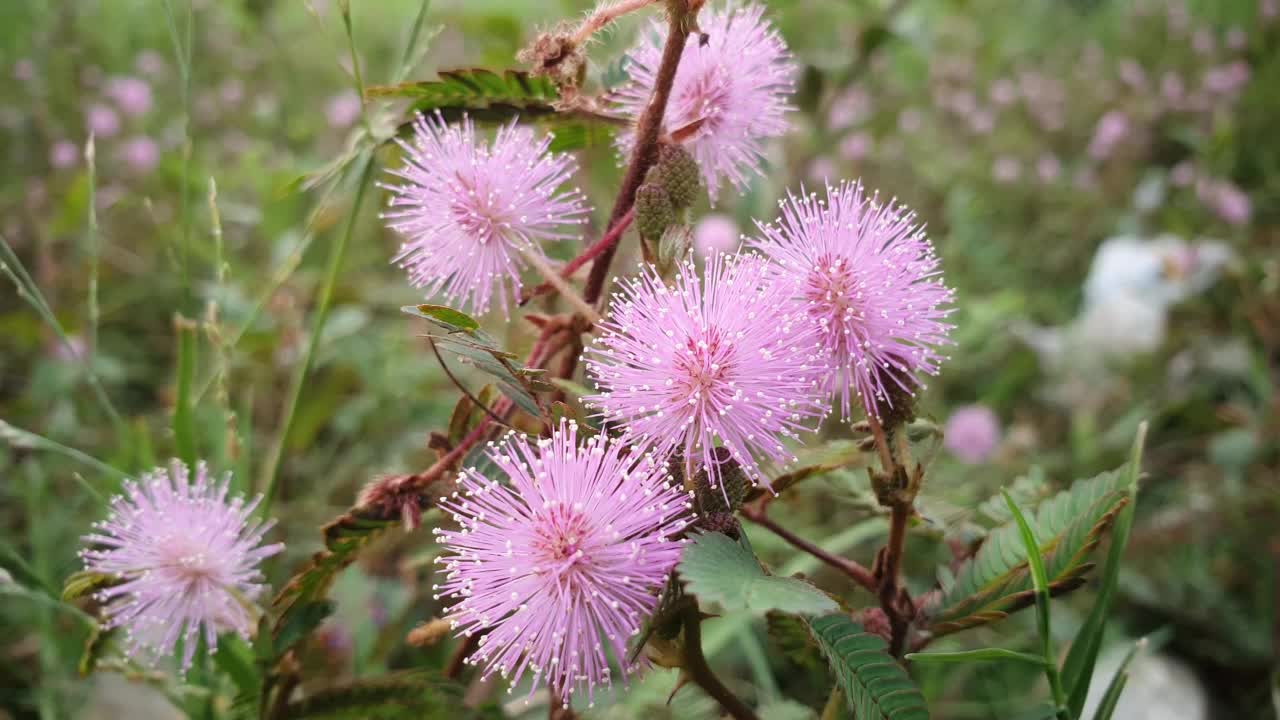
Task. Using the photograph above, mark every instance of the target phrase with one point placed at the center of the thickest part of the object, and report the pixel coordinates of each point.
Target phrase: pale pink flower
(140, 154)
(972, 433)
(733, 88)
(131, 94)
(1048, 168)
(186, 558)
(561, 559)
(865, 272)
(1111, 130)
(715, 234)
(468, 208)
(64, 154)
(342, 110)
(102, 121)
(856, 146)
(721, 361)
(1006, 169)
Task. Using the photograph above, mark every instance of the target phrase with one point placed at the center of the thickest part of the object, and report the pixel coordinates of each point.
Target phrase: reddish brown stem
(606, 242)
(458, 660)
(695, 664)
(892, 596)
(648, 130)
(853, 569)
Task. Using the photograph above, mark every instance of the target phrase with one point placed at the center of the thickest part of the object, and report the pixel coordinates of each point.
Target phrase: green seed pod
(679, 174)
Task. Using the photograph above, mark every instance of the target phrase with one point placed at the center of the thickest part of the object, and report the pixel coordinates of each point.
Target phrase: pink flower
(140, 154)
(342, 110)
(1227, 79)
(1048, 168)
(1112, 128)
(1224, 198)
(1183, 174)
(1236, 38)
(1132, 74)
(24, 70)
(1202, 41)
(469, 208)
(1006, 169)
(186, 558)
(856, 147)
(715, 234)
(1172, 88)
(64, 154)
(102, 121)
(231, 92)
(562, 560)
(1003, 92)
(972, 433)
(868, 275)
(706, 362)
(909, 121)
(734, 88)
(150, 63)
(132, 95)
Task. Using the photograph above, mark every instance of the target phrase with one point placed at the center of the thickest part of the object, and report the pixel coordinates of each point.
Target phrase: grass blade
(1077, 670)
(1043, 623)
(983, 655)
(184, 433)
(1111, 698)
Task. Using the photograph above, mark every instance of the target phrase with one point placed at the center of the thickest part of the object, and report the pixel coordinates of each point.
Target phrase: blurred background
(1101, 179)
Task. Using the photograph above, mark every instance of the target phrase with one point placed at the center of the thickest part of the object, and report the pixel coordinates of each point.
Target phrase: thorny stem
(695, 664)
(604, 14)
(853, 569)
(604, 243)
(648, 130)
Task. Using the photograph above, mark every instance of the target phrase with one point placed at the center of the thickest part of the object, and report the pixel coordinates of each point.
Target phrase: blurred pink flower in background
(102, 121)
(24, 70)
(342, 110)
(1172, 88)
(140, 154)
(1006, 169)
(822, 169)
(64, 154)
(850, 108)
(71, 351)
(1236, 38)
(1183, 174)
(1269, 9)
(715, 234)
(1003, 92)
(982, 121)
(909, 121)
(1224, 198)
(1202, 41)
(1226, 79)
(1132, 74)
(856, 146)
(231, 92)
(149, 62)
(1111, 129)
(131, 94)
(972, 433)
(1048, 168)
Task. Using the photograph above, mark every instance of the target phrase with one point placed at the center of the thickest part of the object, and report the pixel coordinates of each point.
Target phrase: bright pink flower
(561, 561)
(736, 85)
(1224, 198)
(186, 558)
(972, 433)
(710, 362)
(866, 272)
(469, 208)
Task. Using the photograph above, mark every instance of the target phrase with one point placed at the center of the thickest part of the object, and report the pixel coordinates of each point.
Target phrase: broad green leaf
(1067, 527)
(974, 656)
(721, 572)
(875, 685)
(1077, 670)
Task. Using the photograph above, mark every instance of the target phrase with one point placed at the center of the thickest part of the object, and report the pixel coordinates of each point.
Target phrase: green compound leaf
(488, 96)
(1067, 527)
(721, 572)
(875, 685)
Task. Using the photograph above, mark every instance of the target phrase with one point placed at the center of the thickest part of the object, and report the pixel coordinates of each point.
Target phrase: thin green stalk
(357, 76)
(26, 439)
(406, 60)
(184, 432)
(94, 252)
(336, 254)
(12, 266)
(182, 53)
(1043, 624)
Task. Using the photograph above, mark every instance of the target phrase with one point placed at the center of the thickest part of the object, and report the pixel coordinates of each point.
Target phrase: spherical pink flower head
(131, 94)
(560, 564)
(186, 558)
(972, 433)
(469, 208)
(733, 87)
(64, 154)
(710, 362)
(866, 272)
(102, 121)
(140, 154)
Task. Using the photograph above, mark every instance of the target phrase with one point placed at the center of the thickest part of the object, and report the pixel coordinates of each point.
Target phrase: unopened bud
(726, 496)
(654, 211)
(678, 173)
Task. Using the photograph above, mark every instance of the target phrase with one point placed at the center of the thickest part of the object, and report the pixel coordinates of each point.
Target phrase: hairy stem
(853, 569)
(604, 243)
(891, 591)
(648, 130)
(695, 664)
